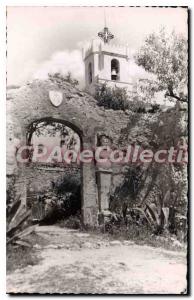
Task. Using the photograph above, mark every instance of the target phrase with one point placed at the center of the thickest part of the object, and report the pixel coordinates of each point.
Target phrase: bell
(113, 72)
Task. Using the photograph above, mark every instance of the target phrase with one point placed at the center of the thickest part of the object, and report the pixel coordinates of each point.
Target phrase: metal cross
(106, 35)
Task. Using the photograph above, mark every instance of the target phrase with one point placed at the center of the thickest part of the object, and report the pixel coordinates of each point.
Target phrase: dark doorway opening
(53, 185)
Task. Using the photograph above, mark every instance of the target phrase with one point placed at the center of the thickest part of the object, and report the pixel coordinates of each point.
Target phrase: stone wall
(78, 110)
(40, 178)
(40, 181)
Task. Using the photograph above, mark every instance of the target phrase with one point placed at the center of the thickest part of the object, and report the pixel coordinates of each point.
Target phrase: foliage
(117, 98)
(157, 193)
(166, 56)
(63, 201)
(165, 196)
(10, 195)
(163, 130)
(47, 127)
(124, 195)
(51, 129)
(158, 215)
(112, 98)
(139, 232)
(73, 222)
(60, 79)
(18, 227)
(146, 90)
(19, 257)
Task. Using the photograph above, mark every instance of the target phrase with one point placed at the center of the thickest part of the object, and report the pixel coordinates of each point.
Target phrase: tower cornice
(111, 49)
(107, 53)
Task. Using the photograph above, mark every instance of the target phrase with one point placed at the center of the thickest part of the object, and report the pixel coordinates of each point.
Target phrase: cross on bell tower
(105, 35)
(106, 63)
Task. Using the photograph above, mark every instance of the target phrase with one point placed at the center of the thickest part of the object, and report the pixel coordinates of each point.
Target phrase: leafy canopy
(165, 55)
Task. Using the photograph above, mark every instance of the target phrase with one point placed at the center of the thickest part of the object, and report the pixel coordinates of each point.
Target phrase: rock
(106, 213)
(75, 247)
(177, 244)
(36, 246)
(122, 263)
(66, 246)
(128, 243)
(80, 234)
(161, 238)
(100, 243)
(87, 245)
(52, 247)
(115, 243)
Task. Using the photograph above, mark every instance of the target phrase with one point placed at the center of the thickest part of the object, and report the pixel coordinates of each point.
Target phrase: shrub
(117, 98)
(64, 200)
(60, 79)
(112, 98)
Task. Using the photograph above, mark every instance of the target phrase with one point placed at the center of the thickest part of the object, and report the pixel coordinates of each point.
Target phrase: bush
(125, 195)
(112, 98)
(73, 222)
(60, 79)
(64, 200)
(118, 99)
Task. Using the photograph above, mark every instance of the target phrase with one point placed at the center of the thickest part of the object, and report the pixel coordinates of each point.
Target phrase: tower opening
(115, 70)
(90, 73)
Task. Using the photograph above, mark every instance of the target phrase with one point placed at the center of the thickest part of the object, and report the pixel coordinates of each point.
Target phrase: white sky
(49, 39)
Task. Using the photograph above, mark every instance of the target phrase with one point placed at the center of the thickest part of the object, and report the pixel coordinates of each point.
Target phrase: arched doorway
(47, 100)
(53, 173)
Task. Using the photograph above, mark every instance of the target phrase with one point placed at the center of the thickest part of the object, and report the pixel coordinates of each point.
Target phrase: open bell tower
(106, 63)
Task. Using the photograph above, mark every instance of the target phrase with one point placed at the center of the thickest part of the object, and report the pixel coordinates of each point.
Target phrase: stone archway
(89, 201)
(54, 184)
(77, 110)
(33, 104)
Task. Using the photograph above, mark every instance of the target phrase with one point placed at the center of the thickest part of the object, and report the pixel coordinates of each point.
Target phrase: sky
(42, 40)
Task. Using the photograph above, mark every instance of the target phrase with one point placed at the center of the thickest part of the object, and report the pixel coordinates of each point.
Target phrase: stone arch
(32, 103)
(55, 120)
(43, 175)
(89, 203)
(78, 110)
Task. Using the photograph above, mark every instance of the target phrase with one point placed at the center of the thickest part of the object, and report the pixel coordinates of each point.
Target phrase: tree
(165, 55)
(49, 128)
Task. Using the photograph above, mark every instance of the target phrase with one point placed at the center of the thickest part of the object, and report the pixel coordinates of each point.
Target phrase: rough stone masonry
(78, 110)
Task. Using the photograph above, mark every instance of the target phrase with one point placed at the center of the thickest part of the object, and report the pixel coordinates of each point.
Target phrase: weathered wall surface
(40, 178)
(79, 111)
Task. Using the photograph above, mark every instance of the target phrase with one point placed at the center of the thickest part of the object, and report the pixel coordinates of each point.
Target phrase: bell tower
(107, 63)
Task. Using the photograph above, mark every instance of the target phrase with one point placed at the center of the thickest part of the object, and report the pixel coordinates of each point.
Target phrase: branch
(171, 94)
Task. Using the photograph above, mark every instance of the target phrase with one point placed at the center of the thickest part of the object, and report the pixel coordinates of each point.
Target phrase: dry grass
(19, 257)
(141, 235)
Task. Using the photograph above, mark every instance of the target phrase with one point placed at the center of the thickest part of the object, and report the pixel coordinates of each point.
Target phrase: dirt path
(75, 262)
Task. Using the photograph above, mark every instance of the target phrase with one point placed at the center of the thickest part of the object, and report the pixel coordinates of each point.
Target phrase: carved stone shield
(56, 97)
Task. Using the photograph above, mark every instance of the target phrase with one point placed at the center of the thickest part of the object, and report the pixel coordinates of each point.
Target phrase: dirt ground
(75, 262)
